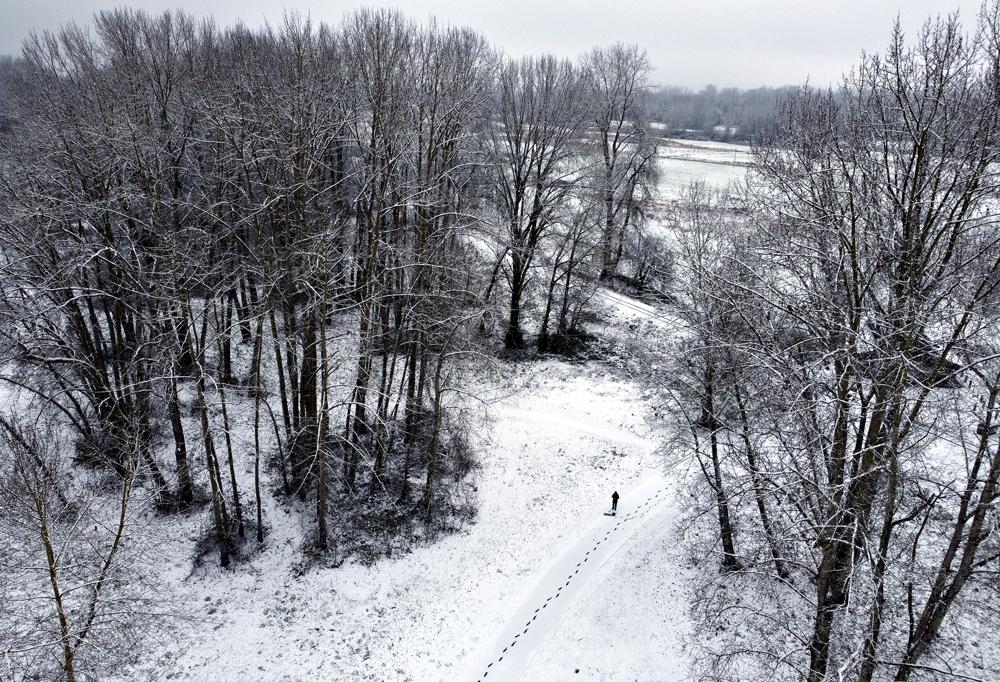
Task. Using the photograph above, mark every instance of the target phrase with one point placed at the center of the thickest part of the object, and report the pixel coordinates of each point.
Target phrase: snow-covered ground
(708, 151)
(630, 620)
(554, 447)
(600, 607)
(717, 164)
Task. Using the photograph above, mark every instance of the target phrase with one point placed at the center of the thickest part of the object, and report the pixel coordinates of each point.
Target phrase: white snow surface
(586, 613)
(552, 452)
(717, 164)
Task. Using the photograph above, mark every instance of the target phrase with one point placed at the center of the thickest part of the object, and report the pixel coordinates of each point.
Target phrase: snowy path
(546, 603)
(631, 310)
(631, 307)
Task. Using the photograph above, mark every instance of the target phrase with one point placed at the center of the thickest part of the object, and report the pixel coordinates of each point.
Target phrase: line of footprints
(638, 512)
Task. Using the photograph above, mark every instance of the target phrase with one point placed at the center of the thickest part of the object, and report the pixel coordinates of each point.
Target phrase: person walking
(614, 501)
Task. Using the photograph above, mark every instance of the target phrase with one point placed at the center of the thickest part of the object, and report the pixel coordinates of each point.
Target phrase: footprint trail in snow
(542, 609)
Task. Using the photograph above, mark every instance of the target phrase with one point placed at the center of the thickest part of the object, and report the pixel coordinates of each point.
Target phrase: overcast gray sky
(690, 42)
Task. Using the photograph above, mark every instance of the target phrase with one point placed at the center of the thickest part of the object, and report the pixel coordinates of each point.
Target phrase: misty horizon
(727, 44)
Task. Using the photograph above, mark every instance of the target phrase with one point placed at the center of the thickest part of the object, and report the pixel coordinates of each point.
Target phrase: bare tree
(537, 119)
(73, 590)
(863, 296)
(623, 172)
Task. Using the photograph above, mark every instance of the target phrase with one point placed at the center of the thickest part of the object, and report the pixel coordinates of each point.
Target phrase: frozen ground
(717, 164)
(604, 608)
(628, 622)
(553, 447)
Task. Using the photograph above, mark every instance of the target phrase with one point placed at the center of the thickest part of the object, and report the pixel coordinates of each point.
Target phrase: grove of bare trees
(246, 270)
(838, 375)
(251, 265)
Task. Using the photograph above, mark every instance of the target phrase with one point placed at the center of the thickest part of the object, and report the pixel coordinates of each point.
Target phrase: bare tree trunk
(219, 515)
(258, 347)
(758, 487)
(323, 428)
(729, 560)
(65, 635)
(237, 506)
(185, 489)
(514, 339)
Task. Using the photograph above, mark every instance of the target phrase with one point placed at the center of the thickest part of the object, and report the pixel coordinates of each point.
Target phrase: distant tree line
(11, 71)
(723, 114)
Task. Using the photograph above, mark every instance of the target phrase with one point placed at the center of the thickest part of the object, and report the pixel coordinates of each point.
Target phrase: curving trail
(543, 607)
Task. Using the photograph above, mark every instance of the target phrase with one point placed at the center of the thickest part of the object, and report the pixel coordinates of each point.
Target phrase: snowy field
(353, 347)
(717, 164)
